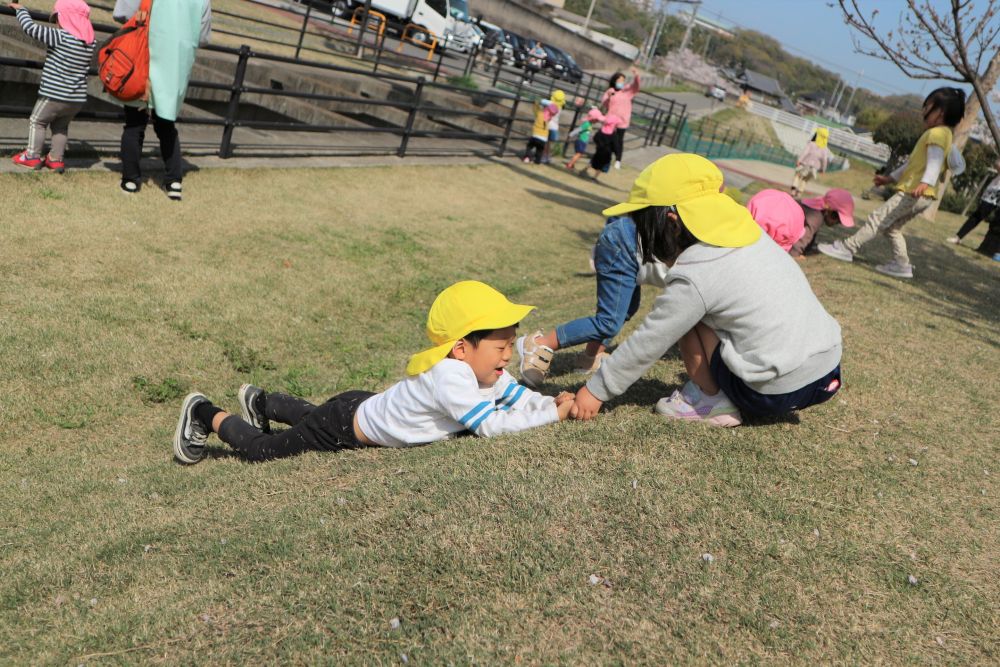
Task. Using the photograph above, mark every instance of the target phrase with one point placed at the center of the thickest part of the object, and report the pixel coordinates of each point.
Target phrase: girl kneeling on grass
(754, 339)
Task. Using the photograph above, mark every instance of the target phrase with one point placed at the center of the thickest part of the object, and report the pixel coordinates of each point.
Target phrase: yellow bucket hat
(459, 310)
(691, 184)
(559, 97)
(822, 137)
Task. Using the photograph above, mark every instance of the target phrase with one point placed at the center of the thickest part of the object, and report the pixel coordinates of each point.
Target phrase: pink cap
(74, 18)
(838, 200)
(779, 215)
(595, 114)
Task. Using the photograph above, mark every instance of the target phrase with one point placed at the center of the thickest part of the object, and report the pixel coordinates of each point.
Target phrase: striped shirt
(447, 400)
(67, 59)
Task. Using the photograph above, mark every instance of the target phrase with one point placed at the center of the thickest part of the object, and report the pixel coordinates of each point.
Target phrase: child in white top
(458, 385)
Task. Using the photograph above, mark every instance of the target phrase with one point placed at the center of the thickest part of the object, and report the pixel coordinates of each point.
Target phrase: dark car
(573, 72)
(554, 62)
(522, 51)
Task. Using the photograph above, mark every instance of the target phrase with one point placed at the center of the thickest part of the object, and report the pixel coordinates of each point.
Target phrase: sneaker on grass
(895, 269)
(837, 250)
(22, 159)
(690, 404)
(191, 434)
(174, 191)
(247, 398)
(535, 359)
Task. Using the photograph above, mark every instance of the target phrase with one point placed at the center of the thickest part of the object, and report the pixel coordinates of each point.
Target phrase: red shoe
(57, 166)
(22, 160)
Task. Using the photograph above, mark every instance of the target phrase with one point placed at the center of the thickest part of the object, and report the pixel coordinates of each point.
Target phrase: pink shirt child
(619, 102)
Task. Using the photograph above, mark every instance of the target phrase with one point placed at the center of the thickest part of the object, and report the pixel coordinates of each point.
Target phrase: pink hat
(837, 200)
(595, 114)
(779, 215)
(74, 18)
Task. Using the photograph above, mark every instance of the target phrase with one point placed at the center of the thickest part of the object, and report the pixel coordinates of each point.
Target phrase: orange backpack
(123, 60)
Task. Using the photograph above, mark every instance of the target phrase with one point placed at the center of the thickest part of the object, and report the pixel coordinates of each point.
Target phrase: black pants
(133, 135)
(989, 213)
(534, 150)
(603, 147)
(327, 427)
(618, 143)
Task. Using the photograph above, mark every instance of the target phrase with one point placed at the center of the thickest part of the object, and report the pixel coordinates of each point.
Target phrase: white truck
(447, 20)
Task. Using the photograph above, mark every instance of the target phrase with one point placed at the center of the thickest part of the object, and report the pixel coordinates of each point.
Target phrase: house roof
(789, 106)
(764, 84)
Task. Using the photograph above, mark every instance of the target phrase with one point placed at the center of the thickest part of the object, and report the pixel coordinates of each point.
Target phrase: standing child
(617, 101)
(581, 136)
(559, 99)
(915, 184)
(544, 111)
(604, 146)
(754, 339)
(988, 210)
(63, 90)
(460, 384)
(621, 269)
(814, 158)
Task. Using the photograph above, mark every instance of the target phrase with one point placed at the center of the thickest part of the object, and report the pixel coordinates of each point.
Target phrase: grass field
(466, 551)
(738, 122)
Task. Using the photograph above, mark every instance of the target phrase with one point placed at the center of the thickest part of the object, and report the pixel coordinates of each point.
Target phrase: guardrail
(512, 88)
(846, 141)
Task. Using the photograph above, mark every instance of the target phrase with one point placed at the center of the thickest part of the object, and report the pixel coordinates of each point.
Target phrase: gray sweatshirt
(774, 333)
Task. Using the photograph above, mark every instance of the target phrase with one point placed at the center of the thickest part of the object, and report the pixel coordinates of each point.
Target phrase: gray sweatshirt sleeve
(675, 312)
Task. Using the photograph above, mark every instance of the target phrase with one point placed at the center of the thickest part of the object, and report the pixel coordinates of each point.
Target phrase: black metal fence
(654, 117)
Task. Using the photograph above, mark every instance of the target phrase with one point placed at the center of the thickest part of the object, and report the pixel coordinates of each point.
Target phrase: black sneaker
(129, 187)
(247, 397)
(174, 190)
(191, 435)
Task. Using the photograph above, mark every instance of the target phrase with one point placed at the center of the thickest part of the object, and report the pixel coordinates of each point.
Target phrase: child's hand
(15, 6)
(564, 409)
(564, 396)
(919, 191)
(881, 179)
(586, 405)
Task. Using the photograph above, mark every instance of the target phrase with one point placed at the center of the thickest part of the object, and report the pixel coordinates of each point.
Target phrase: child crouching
(754, 339)
(458, 385)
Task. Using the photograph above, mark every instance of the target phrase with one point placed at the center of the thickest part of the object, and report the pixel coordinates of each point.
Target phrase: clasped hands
(583, 405)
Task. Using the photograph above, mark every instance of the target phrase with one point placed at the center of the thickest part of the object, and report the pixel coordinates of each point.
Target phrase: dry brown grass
(315, 281)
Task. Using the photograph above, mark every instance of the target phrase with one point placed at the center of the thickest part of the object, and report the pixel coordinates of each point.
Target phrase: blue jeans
(618, 291)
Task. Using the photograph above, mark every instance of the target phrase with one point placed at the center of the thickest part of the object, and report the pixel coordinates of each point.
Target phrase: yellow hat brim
(507, 317)
(714, 219)
(718, 220)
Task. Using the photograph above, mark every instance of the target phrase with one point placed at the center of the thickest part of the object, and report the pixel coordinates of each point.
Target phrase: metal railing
(511, 89)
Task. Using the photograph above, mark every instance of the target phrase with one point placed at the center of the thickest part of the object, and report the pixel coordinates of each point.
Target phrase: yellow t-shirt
(936, 136)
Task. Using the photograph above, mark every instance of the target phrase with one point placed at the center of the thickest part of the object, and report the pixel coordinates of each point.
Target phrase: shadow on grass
(587, 205)
(538, 173)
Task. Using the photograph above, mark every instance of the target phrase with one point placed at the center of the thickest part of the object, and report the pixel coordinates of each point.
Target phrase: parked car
(571, 71)
(522, 52)
(716, 92)
(554, 63)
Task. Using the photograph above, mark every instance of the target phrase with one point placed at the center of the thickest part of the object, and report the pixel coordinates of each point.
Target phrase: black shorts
(755, 404)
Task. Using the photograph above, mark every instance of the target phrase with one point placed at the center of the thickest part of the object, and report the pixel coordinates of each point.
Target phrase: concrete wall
(530, 22)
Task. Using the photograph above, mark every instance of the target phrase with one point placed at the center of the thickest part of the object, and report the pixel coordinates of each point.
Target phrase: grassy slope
(737, 121)
(315, 281)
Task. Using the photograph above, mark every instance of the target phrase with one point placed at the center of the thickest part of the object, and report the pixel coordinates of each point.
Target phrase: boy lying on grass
(458, 385)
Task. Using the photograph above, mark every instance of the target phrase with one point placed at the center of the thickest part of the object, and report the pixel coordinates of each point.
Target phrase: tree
(952, 45)
(899, 132)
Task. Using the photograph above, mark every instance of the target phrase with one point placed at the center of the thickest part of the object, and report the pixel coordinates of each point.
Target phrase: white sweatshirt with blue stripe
(447, 400)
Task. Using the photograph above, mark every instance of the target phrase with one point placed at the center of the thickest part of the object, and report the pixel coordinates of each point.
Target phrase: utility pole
(586, 21)
(847, 107)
